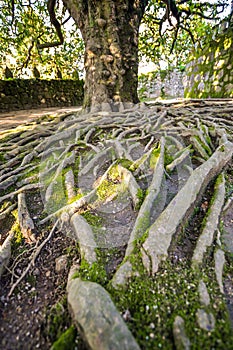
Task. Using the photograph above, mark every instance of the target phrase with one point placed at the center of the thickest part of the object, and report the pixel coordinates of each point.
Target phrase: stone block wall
(166, 84)
(210, 71)
(34, 93)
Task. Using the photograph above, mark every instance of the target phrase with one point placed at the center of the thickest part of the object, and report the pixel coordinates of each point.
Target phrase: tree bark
(110, 32)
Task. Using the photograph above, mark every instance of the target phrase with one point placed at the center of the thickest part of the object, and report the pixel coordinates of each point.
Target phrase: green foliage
(172, 42)
(24, 27)
(209, 69)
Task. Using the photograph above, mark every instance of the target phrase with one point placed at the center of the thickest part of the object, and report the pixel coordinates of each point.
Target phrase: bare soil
(9, 120)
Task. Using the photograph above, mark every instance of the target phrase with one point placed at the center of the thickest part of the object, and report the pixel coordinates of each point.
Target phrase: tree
(110, 30)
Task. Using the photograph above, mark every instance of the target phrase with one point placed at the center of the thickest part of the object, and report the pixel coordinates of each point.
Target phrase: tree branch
(66, 20)
(12, 11)
(173, 9)
(53, 19)
(189, 32)
(26, 62)
(175, 38)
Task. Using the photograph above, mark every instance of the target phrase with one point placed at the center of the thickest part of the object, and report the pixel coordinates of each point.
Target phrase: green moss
(4, 206)
(75, 275)
(2, 159)
(43, 166)
(95, 272)
(207, 137)
(109, 186)
(203, 145)
(154, 302)
(126, 163)
(154, 157)
(141, 195)
(229, 185)
(168, 158)
(8, 190)
(222, 148)
(18, 236)
(93, 219)
(75, 168)
(135, 165)
(74, 199)
(34, 174)
(106, 189)
(56, 321)
(58, 198)
(143, 224)
(66, 341)
(179, 153)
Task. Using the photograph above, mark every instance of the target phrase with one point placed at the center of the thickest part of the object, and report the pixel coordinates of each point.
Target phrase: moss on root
(152, 303)
(93, 219)
(95, 272)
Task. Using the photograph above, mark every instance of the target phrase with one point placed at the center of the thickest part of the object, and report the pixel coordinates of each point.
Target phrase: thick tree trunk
(110, 32)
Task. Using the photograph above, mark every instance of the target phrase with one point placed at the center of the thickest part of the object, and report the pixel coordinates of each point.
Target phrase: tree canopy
(172, 28)
(25, 33)
(36, 33)
(169, 36)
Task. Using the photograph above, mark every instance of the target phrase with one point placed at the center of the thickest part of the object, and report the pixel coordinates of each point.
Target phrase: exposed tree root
(126, 187)
(25, 221)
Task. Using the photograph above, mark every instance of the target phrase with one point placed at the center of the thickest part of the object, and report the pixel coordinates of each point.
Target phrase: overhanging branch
(53, 19)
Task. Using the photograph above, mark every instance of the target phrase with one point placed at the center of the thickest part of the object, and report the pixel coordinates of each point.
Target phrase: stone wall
(34, 93)
(165, 84)
(209, 73)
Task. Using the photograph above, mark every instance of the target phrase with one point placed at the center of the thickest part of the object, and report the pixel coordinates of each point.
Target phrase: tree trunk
(110, 32)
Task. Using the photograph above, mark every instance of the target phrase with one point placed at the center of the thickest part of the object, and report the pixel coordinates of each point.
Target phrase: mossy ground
(149, 304)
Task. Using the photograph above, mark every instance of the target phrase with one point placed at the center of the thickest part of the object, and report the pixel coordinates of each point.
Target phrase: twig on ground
(33, 258)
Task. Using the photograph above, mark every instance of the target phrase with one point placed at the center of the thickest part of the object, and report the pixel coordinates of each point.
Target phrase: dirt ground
(9, 120)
